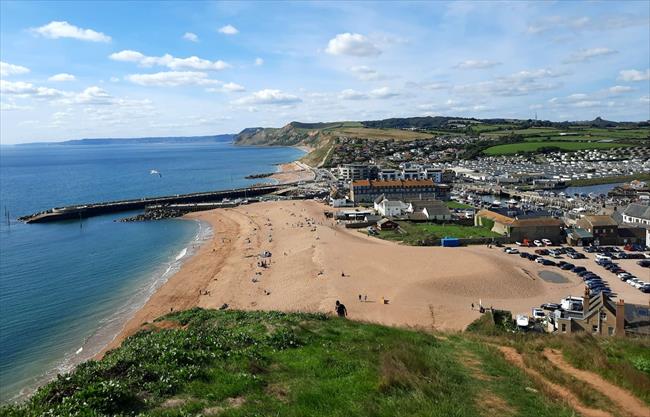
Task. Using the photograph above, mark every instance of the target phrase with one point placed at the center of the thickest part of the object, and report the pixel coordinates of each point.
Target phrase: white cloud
(477, 64)
(60, 29)
(92, 96)
(169, 61)
(586, 103)
(259, 62)
(114, 80)
(23, 89)
(350, 94)
(578, 24)
(13, 107)
(62, 77)
(619, 89)
(364, 73)
(518, 84)
(378, 93)
(228, 30)
(383, 93)
(172, 79)
(585, 55)
(577, 97)
(351, 44)
(645, 99)
(634, 75)
(233, 87)
(7, 69)
(268, 96)
(192, 37)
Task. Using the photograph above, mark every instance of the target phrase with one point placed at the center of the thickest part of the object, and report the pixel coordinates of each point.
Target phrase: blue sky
(127, 69)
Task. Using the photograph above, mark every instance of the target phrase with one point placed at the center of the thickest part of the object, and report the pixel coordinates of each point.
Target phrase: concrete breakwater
(98, 209)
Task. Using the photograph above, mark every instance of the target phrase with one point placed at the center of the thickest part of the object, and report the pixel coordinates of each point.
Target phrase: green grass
(608, 180)
(274, 364)
(456, 205)
(416, 233)
(513, 148)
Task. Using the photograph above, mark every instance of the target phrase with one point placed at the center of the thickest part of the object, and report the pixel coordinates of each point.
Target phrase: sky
(131, 69)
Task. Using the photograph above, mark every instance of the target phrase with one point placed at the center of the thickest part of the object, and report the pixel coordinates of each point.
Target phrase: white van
(602, 258)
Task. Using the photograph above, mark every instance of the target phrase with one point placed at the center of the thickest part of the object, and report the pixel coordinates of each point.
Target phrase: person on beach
(340, 309)
(359, 297)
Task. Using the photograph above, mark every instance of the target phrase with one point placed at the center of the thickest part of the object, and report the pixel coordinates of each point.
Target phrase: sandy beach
(315, 262)
(293, 172)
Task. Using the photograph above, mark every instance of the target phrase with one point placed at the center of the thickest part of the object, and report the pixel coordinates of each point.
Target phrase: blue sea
(67, 288)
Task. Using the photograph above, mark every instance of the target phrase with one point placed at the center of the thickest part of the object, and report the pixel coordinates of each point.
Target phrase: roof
(385, 221)
(393, 183)
(538, 221)
(523, 220)
(580, 233)
(639, 211)
(600, 220)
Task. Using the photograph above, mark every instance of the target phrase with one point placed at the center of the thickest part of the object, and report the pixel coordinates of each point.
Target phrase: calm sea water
(67, 288)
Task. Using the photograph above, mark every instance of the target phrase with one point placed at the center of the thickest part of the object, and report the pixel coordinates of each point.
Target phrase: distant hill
(148, 140)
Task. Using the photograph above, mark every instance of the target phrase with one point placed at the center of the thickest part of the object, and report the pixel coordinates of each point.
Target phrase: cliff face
(293, 134)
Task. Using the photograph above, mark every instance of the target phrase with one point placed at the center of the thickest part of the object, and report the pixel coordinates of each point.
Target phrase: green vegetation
(609, 180)
(232, 363)
(456, 205)
(624, 362)
(426, 233)
(532, 147)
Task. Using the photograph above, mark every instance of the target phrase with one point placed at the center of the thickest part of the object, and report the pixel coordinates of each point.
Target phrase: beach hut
(385, 224)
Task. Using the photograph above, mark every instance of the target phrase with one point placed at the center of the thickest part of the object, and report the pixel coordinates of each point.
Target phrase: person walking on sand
(359, 297)
(340, 309)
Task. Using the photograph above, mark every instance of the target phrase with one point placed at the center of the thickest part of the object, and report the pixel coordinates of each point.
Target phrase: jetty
(97, 209)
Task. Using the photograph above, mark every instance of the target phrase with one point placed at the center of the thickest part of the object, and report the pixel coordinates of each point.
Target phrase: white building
(389, 208)
(637, 214)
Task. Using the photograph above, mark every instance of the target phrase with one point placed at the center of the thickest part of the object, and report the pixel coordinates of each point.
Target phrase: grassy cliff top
(232, 363)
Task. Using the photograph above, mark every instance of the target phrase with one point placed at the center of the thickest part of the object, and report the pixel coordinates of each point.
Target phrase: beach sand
(315, 262)
(293, 172)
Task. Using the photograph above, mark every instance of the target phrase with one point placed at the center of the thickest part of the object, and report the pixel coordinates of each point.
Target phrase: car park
(644, 263)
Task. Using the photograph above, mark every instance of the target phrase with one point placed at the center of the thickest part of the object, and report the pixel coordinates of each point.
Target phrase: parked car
(547, 242)
(550, 306)
(576, 255)
(538, 243)
(644, 263)
(543, 252)
(580, 270)
(512, 251)
(567, 267)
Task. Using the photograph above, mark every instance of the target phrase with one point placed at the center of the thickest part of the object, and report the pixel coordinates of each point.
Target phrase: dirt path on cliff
(515, 358)
(627, 402)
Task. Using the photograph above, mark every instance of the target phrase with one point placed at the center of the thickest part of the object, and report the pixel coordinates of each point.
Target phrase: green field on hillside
(513, 148)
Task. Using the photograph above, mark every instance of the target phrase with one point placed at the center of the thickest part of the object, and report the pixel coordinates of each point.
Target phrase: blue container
(450, 242)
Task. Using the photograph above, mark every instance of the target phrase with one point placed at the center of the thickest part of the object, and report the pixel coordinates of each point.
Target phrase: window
(594, 329)
(603, 316)
(563, 328)
(610, 331)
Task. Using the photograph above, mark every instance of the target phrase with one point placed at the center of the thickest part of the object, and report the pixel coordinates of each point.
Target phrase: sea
(67, 288)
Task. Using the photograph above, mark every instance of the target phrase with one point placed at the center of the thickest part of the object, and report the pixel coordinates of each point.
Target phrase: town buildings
(603, 229)
(521, 225)
(367, 191)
